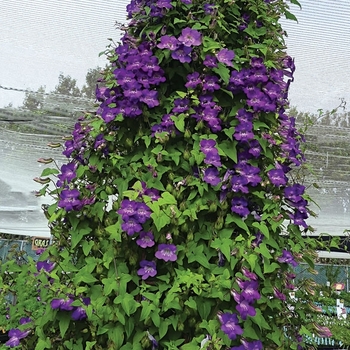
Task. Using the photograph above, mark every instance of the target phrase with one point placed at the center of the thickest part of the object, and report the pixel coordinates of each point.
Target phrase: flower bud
(54, 145)
(42, 180)
(45, 160)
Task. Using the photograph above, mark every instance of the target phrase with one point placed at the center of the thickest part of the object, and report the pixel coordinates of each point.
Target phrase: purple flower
(288, 258)
(229, 325)
(62, 304)
(142, 213)
(79, 312)
(186, 2)
(250, 291)
(190, 37)
(277, 177)
(131, 226)
(294, 192)
(15, 336)
(145, 240)
(248, 274)
(250, 172)
(127, 208)
(210, 61)
(148, 269)
(45, 265)
(209, 9)
(226, 56)
(69, 200)
(239, 206)
(164, 4)
(168, 42)
(239, 184)
(278, 294)
(24, 320)
(210, 83)
(153, 340)
(211, 176)
(252, 345)
(166, 252)
(67, 173)
(150, 98)
(208, 146)
(193, 80)
(212, 158)
(243, 131)
(182, 54)
(181, 105)
(245, 309)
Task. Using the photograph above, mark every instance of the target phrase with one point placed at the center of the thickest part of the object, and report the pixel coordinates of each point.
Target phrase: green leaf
(163, 328)
(191, 303)
(223, 72)
(90, 345)
(229, 149)
(147, 308)
(289, 15)
(116, 335)
(64, 321)
(78, 234)
(204, 309)
(43, 344)
(115, 232)
(155, 318)
(210, 44)
(129, 304)
(167, 198)
(268, 268)
(160, 221)
(49, 171)
(87, 245)
(179, 121)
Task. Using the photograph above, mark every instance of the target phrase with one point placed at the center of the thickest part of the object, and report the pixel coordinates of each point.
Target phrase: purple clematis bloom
(45, 265)
(182, 54)
(208, 146)
(15, 336)
(287, 257)
(212, 158)
(79, 312)
(211, 176)
(145, 240)
(210, 61)
(190, 37)
(278, 294)
(245, 309)
(181, 105)
(127, 208)
(226, 57)
(277, 177)
(193, 80)
(210, 83)
(166, 252)
(209, 9)
(68, 173)
(131, 226)
(229, 325)
(239, 206)
(168, 42)
(24, 320)
(69, 200)
(239, 184)
(148, 269)
(142, 213)
(252, 345)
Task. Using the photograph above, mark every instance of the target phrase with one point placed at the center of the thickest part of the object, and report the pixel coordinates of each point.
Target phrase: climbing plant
(176, 222)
